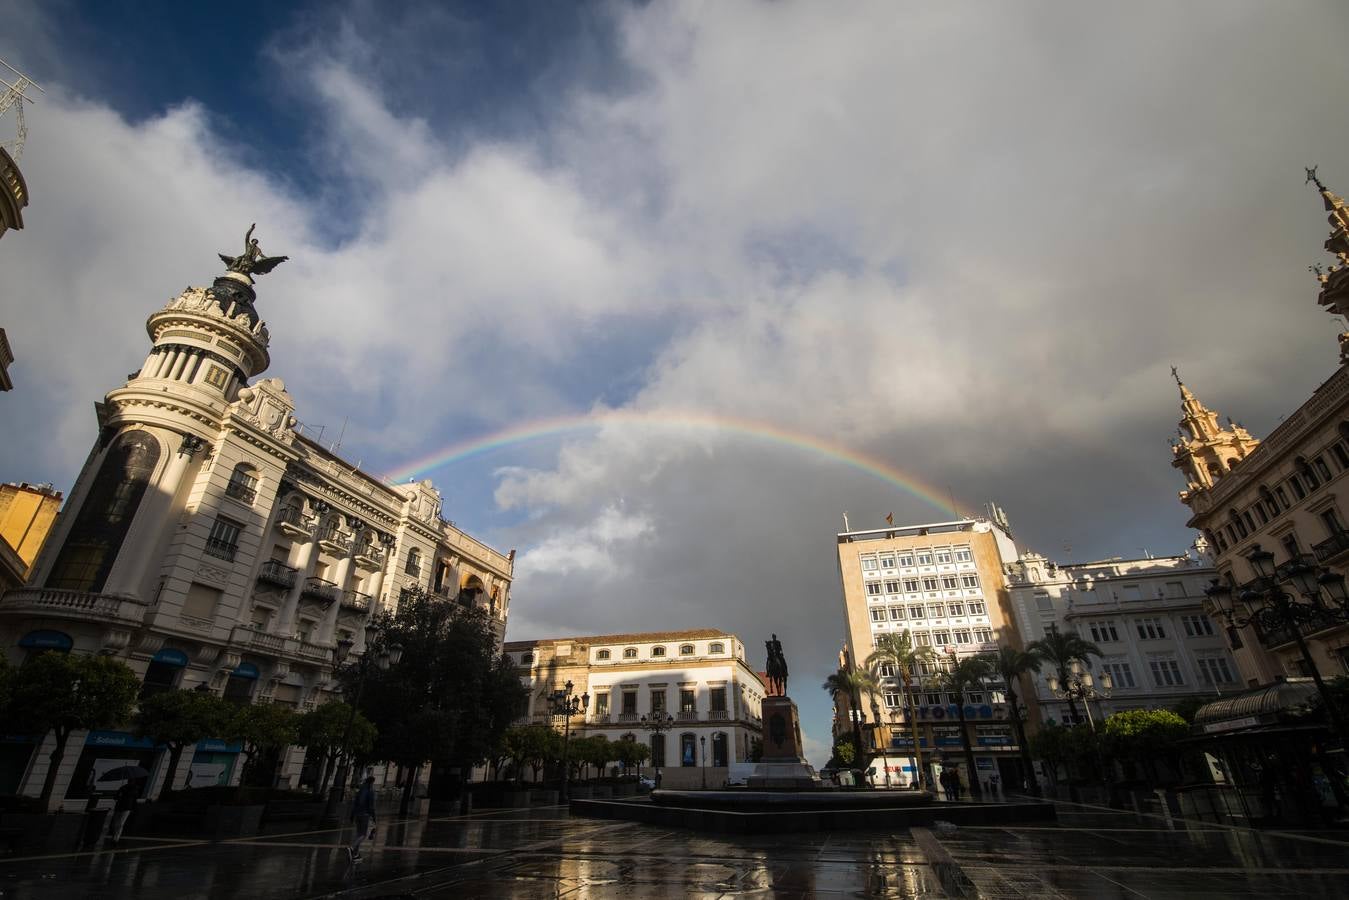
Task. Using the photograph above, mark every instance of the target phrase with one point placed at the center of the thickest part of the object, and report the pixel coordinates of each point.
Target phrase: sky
(763, 241)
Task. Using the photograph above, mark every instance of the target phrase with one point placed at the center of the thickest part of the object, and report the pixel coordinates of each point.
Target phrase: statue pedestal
(783, 764)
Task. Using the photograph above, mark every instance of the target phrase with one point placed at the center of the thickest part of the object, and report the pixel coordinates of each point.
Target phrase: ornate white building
(211, 546)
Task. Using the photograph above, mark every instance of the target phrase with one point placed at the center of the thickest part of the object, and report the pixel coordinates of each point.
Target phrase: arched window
(630, 653)
(686, 650)
(243, 484)
(719, 749)
(414, 565)
(603, 654)
(657, 651)
(688, 749)
(101, 525)
(526, 658)
(657, 750)
(716, 647)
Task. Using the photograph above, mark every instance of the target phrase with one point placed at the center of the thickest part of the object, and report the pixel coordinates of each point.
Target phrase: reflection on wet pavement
(1090, 852)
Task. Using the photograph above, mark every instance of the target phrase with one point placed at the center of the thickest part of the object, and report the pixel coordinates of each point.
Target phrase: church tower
(1334, 295)
(1205, 451)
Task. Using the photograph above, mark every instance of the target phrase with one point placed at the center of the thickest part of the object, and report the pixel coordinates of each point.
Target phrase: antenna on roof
(15, 97)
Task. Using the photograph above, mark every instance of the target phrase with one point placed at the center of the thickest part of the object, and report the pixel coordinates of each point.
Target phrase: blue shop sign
(46, 640)
(949, 742)
(214, 745)
(906, 742)
(246, 670)
(998, 740)
(171, 657)
(118, 739)
(985, 712)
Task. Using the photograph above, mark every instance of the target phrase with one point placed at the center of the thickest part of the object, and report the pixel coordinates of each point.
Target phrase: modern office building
(700, 677)
(1147, 617)
(943, 582)
(211, 546)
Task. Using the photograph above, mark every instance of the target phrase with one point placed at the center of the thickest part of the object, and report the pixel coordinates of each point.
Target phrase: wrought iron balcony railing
(275, 572)
(221, 549)
(245, 493)
(356, 601)
(320, 589)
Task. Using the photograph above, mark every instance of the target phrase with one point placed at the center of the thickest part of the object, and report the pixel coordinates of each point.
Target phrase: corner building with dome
(211, 546)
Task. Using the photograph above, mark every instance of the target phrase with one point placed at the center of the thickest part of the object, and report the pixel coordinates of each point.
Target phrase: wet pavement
(524, 854)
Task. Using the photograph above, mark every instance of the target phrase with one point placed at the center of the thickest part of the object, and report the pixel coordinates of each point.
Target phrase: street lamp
(658, 725)
(563, 704)
(390, 656)
(1081, 686)
(702, 742)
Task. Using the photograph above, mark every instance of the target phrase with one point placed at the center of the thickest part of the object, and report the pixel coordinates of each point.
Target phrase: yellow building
(26, 516)
(945, 583)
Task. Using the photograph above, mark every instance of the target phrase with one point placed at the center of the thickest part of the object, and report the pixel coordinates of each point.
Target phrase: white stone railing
(79, 602)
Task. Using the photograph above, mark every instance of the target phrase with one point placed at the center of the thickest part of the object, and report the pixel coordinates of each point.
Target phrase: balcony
(718, 715)
(1313, 622)
(244, 493)
(275, 572)
(221, 549)
(334, 541)
(294, 522)
(1332, 548)
(687, 715)
(320, 590)
(73, 604)
(370, 556)
(278, 645)
(629, 717)
(355, 601)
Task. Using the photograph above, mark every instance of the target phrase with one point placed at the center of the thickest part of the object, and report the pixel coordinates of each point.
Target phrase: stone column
(128, 575)
(328, 629)
(304, 567)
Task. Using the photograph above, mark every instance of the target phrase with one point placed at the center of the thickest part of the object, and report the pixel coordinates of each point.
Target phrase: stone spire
(1206, 451)
(1334, 295)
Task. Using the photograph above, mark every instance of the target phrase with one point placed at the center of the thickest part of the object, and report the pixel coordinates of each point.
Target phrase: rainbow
(558, 426)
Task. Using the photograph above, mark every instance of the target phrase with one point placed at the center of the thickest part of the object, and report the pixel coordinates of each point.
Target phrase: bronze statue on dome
(251, 262)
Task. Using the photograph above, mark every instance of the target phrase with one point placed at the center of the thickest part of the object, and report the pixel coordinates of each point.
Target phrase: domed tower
(1206, 451)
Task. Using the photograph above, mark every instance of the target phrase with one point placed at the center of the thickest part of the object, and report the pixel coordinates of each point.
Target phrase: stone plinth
(783, 764)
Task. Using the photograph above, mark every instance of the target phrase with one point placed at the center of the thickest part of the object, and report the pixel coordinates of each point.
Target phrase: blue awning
(170, 657)
(47, 640)
(246, 670)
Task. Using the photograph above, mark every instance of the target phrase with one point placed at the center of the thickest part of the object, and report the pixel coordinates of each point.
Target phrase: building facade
(1279, 495)
(943, 582)
(27, 513)
(1147, 617)
(700, 677)
(210, 545)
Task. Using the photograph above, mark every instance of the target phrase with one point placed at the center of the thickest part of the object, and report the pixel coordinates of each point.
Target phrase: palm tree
(1061, 650)
(957, 679)
(1010, 664)
(851, 683)
(897, 653)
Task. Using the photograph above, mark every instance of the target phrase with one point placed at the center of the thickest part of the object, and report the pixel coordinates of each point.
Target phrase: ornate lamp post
(388, 657)
(1081, 686)
(563, 703)
(657, 725)
(1264, 604)
(702, 743)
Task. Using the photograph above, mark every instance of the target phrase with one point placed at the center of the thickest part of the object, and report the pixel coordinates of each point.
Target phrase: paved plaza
(1091, 852)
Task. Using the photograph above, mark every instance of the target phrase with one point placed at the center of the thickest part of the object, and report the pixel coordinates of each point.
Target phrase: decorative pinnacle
(1313, 179)
(1176, 376)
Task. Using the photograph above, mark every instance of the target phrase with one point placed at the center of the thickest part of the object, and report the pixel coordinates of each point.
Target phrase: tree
(1061, 650)
(1010, 665)
(323, 728)
(60, 693)
(629, 753)
(852, 682)
(260, 727)
(957, 679)
(1142, 736)
(897, 654)
(1186, 707)
(178, 719)
(1074, 748)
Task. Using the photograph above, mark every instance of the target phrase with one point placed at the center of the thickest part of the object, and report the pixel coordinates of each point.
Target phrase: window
(1121, 673)
(630, 653)
(414, 563)
(911, 585)
(1341, 457)
(950, 582)
(601, 703)
(1133, 592)
(924, 557)
(1331, 518)
(1102, 632)
(159, 677)
(873, 588)
(1296, 487)
(943, 556)
(1150, 629)
(603, 654)
(906, 559)
(983, 635)
(657, 651)
(1175, 589)
(223, 541)
(961, 636)
(892, 700)
(717, 699)
(1309, 477)
(1214, 670)
(1246, 517)
(930, 584)
(1319, 464)
(1260, 514)
(1283, 498)
(868, 563)
(955, 609)
(629, 703)
(239, 689)
(962, 554)
(922, 639)
(892, 587)
(716, 647)
(977, 608)
(915, 612)
(1166, 673)
(878, 614)
(887, 562)
(932, 699)
(935, 610)
(1197, 626)
(216, 377)
(688, 750)
(896, 613)
(686, 650)
(243, 484)
(941, 638)
(969, 581)
(657, 749)
(1290, 546)
(688, 700)
(974, 697)
(528, 658)
(657, 701)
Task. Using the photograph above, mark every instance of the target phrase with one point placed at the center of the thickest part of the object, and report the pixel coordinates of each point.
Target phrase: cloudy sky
(968, 239)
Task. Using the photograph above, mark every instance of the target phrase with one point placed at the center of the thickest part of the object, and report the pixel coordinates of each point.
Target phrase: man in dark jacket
(123, 805)
(363, 815)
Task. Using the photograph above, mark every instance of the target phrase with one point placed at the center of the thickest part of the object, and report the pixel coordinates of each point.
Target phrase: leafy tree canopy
(325, 726)
(64, 692)
(1140, 733)
(179, 718)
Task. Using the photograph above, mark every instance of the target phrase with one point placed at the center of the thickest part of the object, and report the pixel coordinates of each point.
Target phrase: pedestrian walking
(124, 804)
(363, 816)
